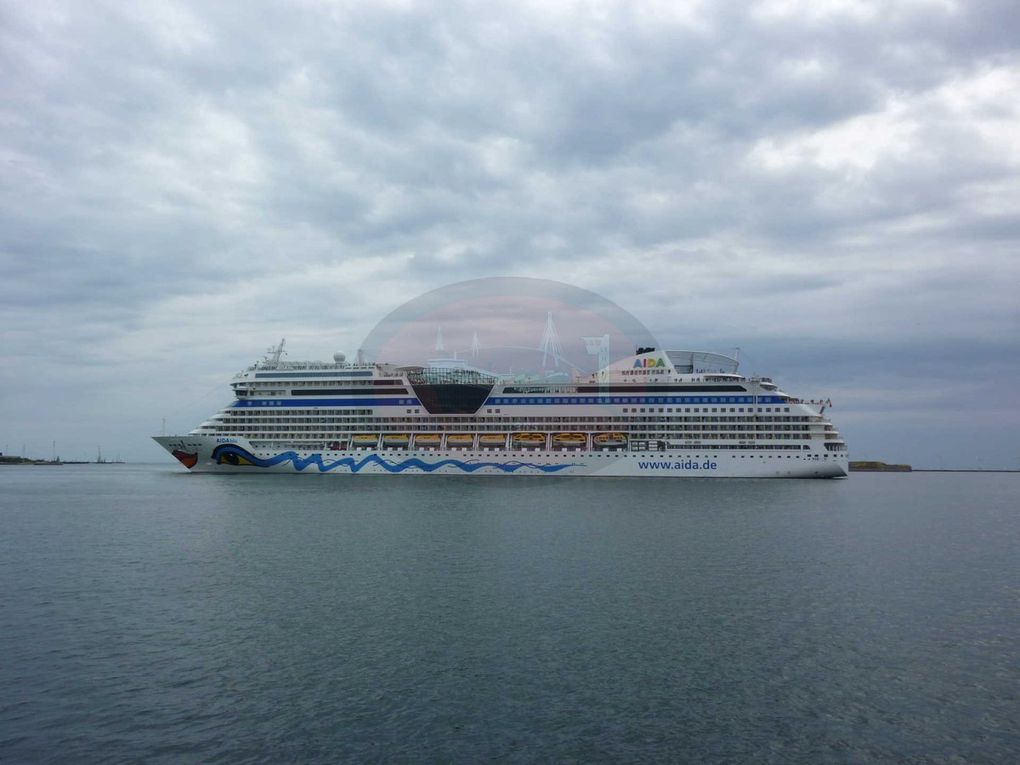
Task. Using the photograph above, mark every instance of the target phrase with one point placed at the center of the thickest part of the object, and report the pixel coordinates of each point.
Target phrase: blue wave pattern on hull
(222, 455)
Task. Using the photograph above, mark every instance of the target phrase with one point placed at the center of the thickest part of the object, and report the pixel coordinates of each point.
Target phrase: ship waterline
(653, 414)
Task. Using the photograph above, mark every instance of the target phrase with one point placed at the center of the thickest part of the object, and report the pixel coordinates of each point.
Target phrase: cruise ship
(651, 414)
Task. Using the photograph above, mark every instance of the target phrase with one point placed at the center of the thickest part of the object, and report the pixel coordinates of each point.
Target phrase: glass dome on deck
(510, 326)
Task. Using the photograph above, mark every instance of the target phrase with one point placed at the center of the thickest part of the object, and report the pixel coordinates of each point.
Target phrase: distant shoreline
(965, 470)
(4, 460)
(877, 466)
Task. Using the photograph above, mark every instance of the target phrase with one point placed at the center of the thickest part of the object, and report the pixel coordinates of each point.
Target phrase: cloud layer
(831, 186)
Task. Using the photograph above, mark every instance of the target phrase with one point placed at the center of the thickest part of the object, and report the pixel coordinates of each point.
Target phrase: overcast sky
(832, 186)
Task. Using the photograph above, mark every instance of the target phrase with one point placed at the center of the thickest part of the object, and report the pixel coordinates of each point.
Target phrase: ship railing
(299, 365)
(443, 375)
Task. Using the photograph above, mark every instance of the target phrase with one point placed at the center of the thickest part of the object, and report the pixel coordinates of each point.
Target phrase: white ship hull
(208, 454)
(659, 414)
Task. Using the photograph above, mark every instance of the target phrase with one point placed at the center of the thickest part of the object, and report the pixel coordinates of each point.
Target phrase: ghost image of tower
(550, 345)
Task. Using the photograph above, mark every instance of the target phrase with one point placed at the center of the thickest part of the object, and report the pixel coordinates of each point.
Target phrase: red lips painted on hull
(188, 460)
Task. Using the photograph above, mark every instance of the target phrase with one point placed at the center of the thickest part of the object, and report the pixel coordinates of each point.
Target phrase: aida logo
(648, 363)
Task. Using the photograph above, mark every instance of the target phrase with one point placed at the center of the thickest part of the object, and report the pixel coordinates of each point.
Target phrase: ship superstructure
(655, 413)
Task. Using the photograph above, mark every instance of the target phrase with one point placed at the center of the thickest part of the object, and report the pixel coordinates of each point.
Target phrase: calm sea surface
(149, 614)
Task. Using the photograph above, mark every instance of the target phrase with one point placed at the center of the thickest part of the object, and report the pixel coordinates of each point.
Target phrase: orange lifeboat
(609, 440)
(570, 440)
(529, 440)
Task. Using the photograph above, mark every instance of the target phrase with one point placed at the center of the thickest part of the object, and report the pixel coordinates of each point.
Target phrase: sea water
(147, 614)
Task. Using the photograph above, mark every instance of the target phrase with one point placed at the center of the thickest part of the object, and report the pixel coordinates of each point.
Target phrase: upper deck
(644, 367)
(679, 399)
(453, 387)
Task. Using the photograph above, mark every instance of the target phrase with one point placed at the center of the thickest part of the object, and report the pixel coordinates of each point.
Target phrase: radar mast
(273, 354)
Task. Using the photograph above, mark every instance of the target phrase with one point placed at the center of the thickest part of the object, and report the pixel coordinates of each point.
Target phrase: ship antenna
(274, 354)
